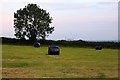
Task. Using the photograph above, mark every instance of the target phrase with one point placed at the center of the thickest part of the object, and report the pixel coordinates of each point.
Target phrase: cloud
(107, 3)
(77, 5)
(67, 6)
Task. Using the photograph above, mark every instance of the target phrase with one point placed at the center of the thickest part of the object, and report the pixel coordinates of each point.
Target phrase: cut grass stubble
(30, 62)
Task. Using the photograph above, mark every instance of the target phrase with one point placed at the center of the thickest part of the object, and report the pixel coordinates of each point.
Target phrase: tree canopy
(32, 22)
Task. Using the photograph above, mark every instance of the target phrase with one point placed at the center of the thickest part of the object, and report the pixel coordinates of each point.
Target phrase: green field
(73, 62)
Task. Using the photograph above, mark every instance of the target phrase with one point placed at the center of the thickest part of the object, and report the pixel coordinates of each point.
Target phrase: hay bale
(36, 44)
(98, 47)
(53, 50)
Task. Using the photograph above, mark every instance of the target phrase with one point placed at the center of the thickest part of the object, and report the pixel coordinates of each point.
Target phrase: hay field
(73, 62)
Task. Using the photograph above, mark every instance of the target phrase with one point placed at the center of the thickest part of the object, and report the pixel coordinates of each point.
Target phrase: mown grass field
(73, 62)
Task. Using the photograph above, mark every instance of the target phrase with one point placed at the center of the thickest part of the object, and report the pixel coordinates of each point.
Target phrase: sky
(91, 20)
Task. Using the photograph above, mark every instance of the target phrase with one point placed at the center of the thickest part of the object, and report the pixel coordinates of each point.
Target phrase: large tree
(32, 22)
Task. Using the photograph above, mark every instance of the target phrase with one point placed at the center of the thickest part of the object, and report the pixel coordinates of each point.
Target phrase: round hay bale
(53, 50)
(98, 47)
(36, 44)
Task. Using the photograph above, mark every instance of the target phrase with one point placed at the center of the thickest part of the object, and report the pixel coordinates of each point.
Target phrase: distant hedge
(76, 43)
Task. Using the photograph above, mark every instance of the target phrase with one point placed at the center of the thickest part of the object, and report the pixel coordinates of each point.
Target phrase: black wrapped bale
(53, 50)
(99, 47)
(37, 44)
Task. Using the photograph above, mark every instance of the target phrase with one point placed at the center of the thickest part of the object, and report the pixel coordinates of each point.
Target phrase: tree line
(75, 43)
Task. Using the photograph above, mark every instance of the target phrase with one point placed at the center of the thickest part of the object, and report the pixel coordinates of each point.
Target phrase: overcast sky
(73, 19)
